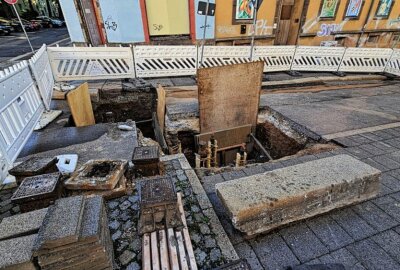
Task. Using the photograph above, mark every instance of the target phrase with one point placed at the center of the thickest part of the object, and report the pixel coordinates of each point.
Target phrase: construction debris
(38, 192)
(16, 253)
(83, 242)
(147, 160)
(34, 166)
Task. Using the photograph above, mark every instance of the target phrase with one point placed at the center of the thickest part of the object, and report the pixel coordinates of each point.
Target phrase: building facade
(364, 23)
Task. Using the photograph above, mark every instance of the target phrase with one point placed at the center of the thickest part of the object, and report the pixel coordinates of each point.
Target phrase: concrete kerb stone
(266, 201)
(198, 190)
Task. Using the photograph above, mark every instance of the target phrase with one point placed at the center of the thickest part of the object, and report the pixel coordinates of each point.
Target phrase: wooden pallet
(170, 248)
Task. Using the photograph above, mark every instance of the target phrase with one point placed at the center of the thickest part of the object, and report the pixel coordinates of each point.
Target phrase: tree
(49, 8)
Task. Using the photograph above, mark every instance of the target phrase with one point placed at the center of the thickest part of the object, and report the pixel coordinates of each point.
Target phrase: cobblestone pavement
(6, 207)
(363, 236)
(123, 214)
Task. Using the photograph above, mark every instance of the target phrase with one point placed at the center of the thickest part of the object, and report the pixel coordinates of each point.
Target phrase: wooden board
(229, 96)
(81, 106)
(227, 138)
(161, 107)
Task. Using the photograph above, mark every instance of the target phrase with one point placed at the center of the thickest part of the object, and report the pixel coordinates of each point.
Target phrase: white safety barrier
(91, 63)
(276, 58)
(20, 109)
(41, 69)
(214, 56)
(308, 58)
(393, 67)
(365, 60)
(163, 61)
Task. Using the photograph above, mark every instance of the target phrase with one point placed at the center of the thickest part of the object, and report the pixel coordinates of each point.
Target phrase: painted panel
(210, 30)
(72, 21)
(168, 17)
(122, 21)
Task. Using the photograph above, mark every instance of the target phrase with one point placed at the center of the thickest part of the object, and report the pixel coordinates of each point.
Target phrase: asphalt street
(16, 44)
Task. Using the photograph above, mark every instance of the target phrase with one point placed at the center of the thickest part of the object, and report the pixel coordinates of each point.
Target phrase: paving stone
(375, 164)
(387, 162)
(360, 139)
(394, 132)
(329, 232)
(114, 225)
(92, 217)
(133, 266)
(270, 166)
(273, 253)
(303, 242)
(16, 253)
(113, 204)
(215, 255)
(22, 224)
(382, 134)
(125, 205)
(200, 256)
(253, 170)
(371, 255)
(126, 257)
(374, 216)
(358, 152)
(395, 142)
(353, 224)
(209, 182)
(372, 150)
(233, 175)
(396, 196)
(390, 242)
(384, 190)
(342, 256)
(371, 136)
(116, 235)
(266, 201)
(62, 223)
(347, 141)
(389, 205)
(133, 199)
(209, 242)
(391, 182)
(204, 229)
(246, 252)
(384, 146)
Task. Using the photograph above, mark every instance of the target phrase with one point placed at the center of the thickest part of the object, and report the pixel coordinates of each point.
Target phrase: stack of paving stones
(123, 217)
(7, 208)
(75, 235)
(363, 236)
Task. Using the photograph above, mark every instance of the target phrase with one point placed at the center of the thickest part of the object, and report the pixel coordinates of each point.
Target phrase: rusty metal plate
(146, 154)
(157, 191)
(37, 186)
(34, 166)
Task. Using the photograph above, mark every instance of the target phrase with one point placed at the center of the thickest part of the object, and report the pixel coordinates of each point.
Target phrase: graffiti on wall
(226, 29)
(111, 24)
(261, 28)
(328, 29)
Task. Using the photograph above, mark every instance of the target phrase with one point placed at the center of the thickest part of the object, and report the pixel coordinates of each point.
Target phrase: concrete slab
(262, 202)
(23, 224)
(17, 253)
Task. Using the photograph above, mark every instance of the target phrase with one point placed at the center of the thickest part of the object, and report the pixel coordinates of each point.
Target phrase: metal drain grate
(157, 191)
(146, 154)
(36, 186)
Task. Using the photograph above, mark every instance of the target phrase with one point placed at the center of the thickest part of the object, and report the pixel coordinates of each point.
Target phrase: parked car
(49, 22)
(11, 27)
(27, 25)
(5, 29)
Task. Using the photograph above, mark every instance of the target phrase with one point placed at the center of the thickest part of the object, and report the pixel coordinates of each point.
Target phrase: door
(168, 17)
(282, 35)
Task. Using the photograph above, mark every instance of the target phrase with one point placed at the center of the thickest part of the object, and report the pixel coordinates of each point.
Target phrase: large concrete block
(262, 202)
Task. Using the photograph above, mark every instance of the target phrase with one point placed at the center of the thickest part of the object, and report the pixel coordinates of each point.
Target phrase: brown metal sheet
(161, 107)
(229, 96)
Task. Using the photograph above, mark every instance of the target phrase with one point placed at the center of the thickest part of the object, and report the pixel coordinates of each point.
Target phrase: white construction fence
(26, 88)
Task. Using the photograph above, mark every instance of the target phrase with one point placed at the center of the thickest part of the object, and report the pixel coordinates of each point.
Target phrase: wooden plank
(229, 96)
(146, 254)
(155, 258)
(182, 251)
(227, 138)
(161, 107)
(162, 236)
(186, 236)
(59, 95)
(81, 106)
(173, 253)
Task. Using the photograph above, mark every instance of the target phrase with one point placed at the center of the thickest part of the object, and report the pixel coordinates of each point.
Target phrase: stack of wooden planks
(170, 248)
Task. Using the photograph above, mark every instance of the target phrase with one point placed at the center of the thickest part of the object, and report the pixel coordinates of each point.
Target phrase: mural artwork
(328, 9)
(245, 9)
(354, 8)
(384, 8)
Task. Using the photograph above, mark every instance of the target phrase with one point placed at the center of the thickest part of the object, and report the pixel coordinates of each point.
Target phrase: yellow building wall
(225, 29)
(316, 30)
(168, 17)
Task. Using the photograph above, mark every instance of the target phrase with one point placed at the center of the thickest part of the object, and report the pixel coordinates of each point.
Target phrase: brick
(245, 251)
(387, 162)
(374, 216)
(266, 201)
(370, 254)
(329, 232)
(390, 242)
(305, 245)
(355, 226)
(273, 252)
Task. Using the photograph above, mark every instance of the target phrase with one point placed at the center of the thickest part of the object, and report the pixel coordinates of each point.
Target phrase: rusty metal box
(147, 160)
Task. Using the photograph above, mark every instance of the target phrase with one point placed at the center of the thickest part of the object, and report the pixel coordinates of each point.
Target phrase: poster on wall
(245, 9)
(354, 8)
(384, 8)
(328, 9)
